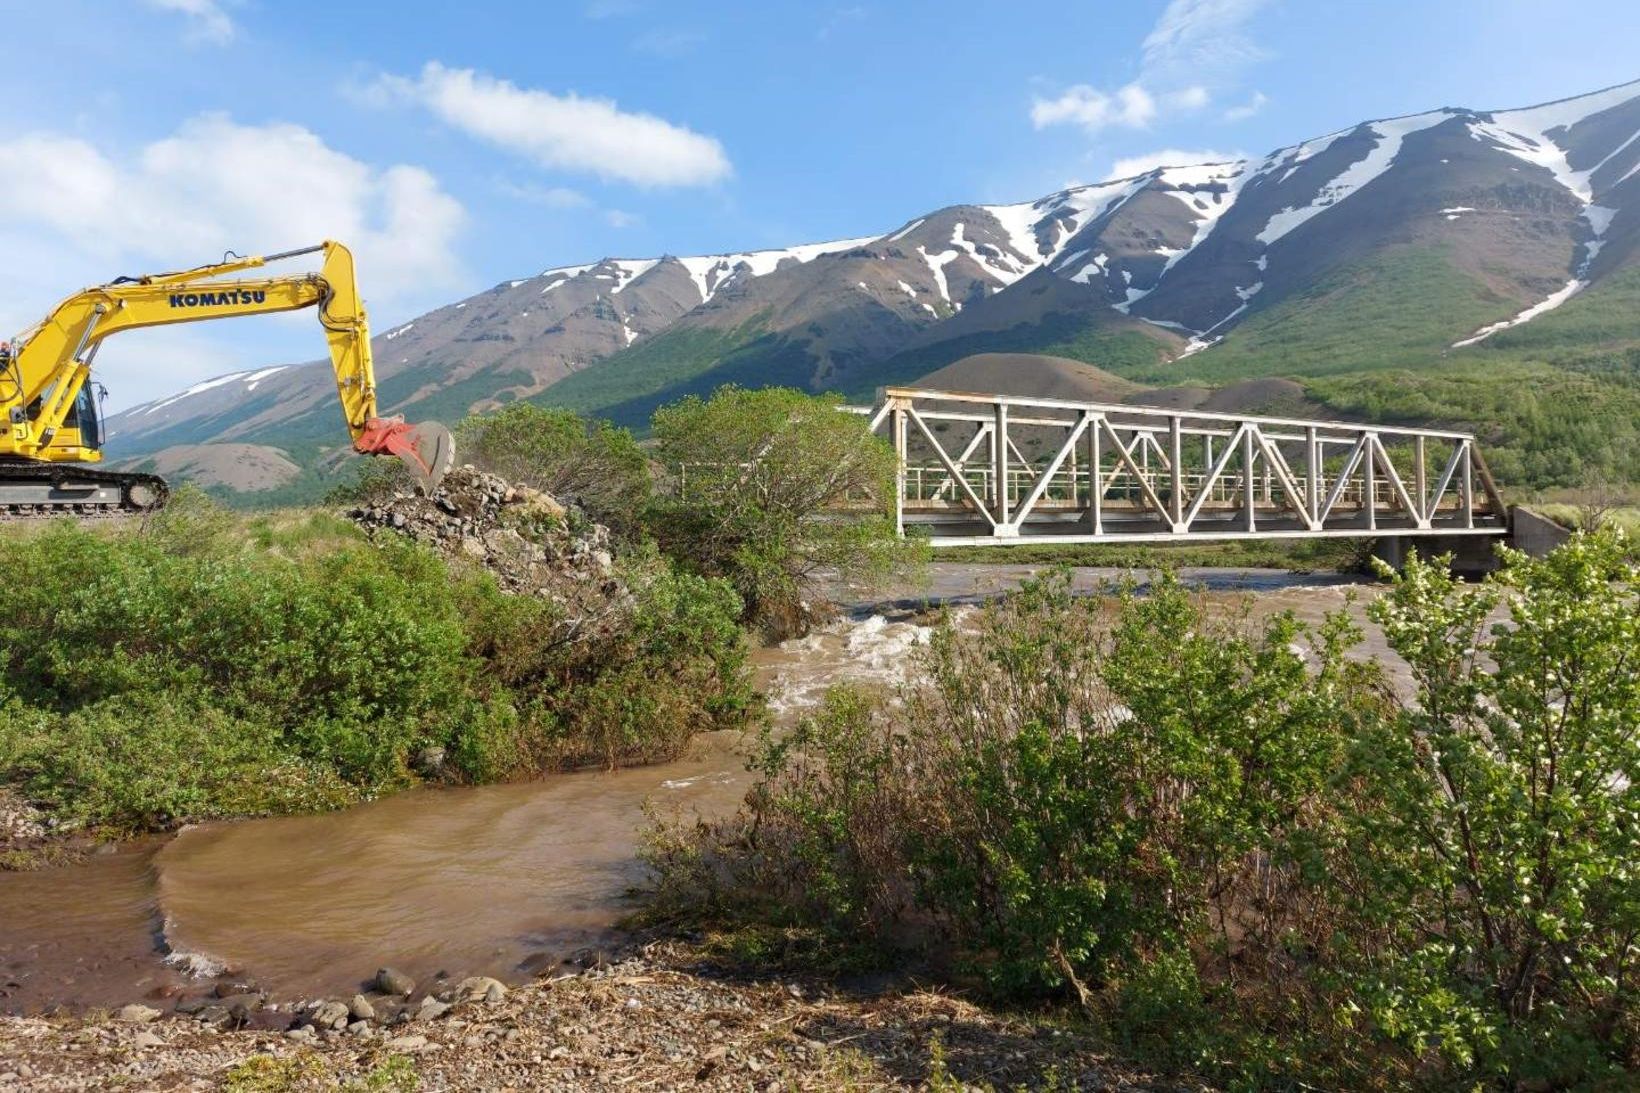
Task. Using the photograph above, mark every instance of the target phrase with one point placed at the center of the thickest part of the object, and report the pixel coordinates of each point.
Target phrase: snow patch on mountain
(629, 270)
(1019, 223)
(999, 267)
(1572, 288)
(1222, 183)
(936, 266)
(1525, 133)
(1388, 136)
(711, 272)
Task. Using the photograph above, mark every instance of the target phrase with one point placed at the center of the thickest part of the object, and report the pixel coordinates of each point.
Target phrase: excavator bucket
(426, 449)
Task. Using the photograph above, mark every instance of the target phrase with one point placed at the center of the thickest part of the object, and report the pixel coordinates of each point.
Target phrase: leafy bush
(1231, 842)
(196, 668)
(1497, 862)
(754, 473)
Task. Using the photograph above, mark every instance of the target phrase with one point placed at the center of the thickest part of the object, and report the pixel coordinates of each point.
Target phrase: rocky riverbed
(657, 1017)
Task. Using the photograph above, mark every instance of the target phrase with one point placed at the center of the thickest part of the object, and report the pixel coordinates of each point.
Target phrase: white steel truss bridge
(995, 469)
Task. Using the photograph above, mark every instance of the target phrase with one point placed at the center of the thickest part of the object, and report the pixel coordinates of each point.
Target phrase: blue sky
(460, 145)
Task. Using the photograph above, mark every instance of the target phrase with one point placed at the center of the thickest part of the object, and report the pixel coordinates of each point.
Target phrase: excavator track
(32, 490)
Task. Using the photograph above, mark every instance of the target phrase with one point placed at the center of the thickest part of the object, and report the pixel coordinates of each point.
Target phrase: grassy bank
(209, 664)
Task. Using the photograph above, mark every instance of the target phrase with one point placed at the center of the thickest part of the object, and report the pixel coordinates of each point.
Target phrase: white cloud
(1247, 109)
(1093, 110)
(1195, 46)
(207, 21)
(1129, 166)
(565, 132)
(1202, 36)
(616, 218)
(553, 197)
(1188, 98)
(81, 215)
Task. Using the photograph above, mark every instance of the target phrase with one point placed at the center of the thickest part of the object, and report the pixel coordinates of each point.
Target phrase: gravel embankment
(654, 1021)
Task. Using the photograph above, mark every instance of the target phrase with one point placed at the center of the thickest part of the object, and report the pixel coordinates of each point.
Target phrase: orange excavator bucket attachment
(426, 449)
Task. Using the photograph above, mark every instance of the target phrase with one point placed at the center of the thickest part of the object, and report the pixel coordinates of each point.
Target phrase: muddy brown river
(498, 880)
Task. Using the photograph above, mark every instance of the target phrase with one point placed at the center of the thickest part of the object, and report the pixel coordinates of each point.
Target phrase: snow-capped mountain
(1527, 208)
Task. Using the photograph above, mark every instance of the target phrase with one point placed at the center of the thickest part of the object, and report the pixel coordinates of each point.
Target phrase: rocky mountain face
(1168, 276)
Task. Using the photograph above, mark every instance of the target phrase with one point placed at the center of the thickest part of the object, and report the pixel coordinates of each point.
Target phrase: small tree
(758, 477)
(595, 464)
(1500, 850)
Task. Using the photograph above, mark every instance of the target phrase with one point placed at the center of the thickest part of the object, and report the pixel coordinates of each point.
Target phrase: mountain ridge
(1159, 275)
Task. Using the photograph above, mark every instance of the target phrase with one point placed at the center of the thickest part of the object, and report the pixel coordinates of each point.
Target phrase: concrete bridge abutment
(1474, 556)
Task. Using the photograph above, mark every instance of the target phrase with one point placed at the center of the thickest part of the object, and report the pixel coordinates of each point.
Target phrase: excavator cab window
(83, 416)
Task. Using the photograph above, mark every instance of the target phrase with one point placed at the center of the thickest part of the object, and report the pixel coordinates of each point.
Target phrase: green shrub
(144, 761)
(165, 675)
(1497, 861)
(1234, 845)
(753, 476)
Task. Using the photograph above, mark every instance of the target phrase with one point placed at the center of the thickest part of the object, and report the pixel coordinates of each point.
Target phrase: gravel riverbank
(654, 1019)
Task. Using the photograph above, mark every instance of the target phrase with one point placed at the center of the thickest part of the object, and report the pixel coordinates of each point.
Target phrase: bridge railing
(982, 468)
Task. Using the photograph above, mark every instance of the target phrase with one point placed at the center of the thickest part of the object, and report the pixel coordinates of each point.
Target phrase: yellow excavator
(53, 431)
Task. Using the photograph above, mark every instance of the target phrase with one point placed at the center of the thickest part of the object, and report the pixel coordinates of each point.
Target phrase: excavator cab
(84, 416)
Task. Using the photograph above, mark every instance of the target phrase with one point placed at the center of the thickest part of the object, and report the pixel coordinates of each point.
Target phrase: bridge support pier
(1473, 556)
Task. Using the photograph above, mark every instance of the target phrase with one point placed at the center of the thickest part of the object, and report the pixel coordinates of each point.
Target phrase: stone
(431, 1009)
(138, 1014)
(230, 989)
(480, 988)
(360, 1008)
(215, 1016)
(147, 1039)
(407, 1043)
(329, 1015)
(428, 761)
(302, 1032)
(393, 981)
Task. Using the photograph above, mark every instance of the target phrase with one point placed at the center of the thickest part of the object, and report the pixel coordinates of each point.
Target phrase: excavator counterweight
(52, 431)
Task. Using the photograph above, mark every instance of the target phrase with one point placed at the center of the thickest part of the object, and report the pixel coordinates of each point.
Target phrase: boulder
(393, 981)
(138, 1014)
(329, 1015)
(480, 988)
(431, 1009)
(360, 1009)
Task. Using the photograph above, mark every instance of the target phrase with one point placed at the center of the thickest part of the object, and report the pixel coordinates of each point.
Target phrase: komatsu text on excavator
(52, 428)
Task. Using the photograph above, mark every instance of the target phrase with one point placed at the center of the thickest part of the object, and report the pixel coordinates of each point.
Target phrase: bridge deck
(995, 469)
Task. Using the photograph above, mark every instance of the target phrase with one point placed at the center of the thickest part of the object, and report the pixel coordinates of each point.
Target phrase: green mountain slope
(1401, 307)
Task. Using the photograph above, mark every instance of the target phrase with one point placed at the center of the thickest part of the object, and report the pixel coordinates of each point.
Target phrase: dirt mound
(1272, 396)
(1030, 375)
(242, 467)
(527, 539)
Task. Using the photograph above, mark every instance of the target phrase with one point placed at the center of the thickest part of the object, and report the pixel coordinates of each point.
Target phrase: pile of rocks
(391, 999)
(388, 1004)
(20, 822)
(531, 543)
(661, 1019)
